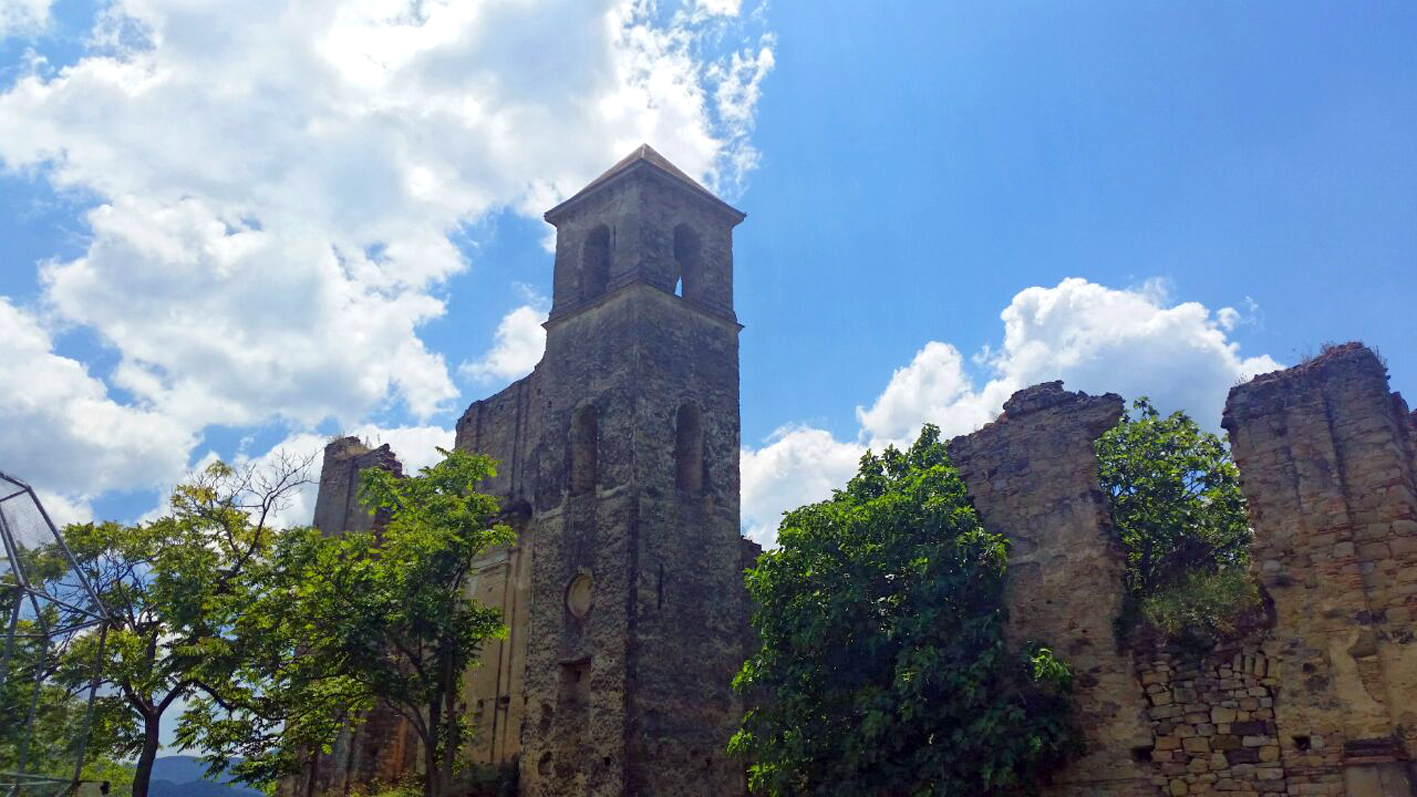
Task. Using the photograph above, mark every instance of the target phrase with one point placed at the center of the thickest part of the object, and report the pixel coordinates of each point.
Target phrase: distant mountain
(183, 776)
(198, 788)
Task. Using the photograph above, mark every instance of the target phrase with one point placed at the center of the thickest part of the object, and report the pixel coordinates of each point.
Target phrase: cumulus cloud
(61, 428)
(796, 465)
(275, 184)
(216, 325)
(516, 348)
(23, 17)
(1096, 339)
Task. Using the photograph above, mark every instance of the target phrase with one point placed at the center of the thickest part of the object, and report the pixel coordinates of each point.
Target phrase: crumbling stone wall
(383, 746)
(337, 508)
(1326, 458)
(1323, 700)
(1032, 475)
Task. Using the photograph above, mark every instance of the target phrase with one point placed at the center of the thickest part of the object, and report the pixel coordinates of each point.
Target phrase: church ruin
(624, 594)
(619, 469)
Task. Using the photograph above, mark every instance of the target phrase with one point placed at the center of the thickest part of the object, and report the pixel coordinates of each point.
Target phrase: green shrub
(1177, 506)
(1202, 608)
(883, 668)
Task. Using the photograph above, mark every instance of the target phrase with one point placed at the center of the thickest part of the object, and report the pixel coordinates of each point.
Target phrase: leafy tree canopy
(173, 588)
(883, 668)
(349, 622)
(1177, 505)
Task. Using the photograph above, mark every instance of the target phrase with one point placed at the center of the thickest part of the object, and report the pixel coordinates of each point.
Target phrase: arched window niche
(688, 260)
(595, 263)
(585, 449)
(689, 449)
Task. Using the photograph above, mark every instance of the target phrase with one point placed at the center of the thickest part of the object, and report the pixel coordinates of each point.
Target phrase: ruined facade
(383, 746)
(1320, 701)
(624, 596)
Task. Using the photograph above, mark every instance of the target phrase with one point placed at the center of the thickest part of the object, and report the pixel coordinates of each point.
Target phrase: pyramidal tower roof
(644, 157)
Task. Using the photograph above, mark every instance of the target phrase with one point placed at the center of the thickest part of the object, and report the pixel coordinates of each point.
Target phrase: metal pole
(13, 556)
(10, 636)
(63, 546)
(88, 712)
(34, 703)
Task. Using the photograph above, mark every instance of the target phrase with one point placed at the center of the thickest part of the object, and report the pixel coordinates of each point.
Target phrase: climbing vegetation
(883, 668)
(1177, 505)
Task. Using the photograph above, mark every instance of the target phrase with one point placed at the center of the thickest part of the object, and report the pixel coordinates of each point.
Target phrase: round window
(578, 596)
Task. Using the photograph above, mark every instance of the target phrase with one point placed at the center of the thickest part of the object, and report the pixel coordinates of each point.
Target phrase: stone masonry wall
(1032, 475)
(1212, 722)
(1322, 701)
(1326, 457)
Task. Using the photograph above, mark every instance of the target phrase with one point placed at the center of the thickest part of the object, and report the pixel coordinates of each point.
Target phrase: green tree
(883, 668)
(349, 622)
(1177, 505)
(174, 589)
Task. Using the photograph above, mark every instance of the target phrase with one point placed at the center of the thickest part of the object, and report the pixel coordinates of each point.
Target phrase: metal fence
(55, 630)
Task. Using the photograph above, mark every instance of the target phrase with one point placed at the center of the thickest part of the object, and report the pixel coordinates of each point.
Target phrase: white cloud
(276, 184)
(932, 386)
(23, 17)
(1094, 338)
(740, 80)
(516, 349)
(723, 8)
(216, 326)
(59, 429)
(797, 465)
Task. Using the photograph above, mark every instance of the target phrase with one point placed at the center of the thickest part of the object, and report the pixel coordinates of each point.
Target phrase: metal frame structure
(55, 611)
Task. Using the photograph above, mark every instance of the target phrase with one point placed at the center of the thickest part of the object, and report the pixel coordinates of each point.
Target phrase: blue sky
(228, 230)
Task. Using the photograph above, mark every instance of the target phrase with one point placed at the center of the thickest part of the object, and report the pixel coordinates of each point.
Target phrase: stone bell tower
(621, 448)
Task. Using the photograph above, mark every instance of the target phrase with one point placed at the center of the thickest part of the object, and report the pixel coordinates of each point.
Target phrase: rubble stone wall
(1326, 457)
(1032, 475)
(1212, 722)
(1321, 701)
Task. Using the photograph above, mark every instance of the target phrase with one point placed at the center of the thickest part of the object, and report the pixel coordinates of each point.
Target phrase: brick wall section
(1032, 475)
(1212, 722)
(1326, 457)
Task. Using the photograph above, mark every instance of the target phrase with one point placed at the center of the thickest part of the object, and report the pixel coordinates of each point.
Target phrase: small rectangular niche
(574, 691)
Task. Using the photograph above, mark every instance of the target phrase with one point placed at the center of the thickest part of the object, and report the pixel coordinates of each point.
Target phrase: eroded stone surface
(1326, 456)
(1032, 475)
(383, 746)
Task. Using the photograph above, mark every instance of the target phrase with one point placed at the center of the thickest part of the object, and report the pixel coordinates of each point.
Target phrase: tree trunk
(152, 740)
(452, 746)
(432, 771)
